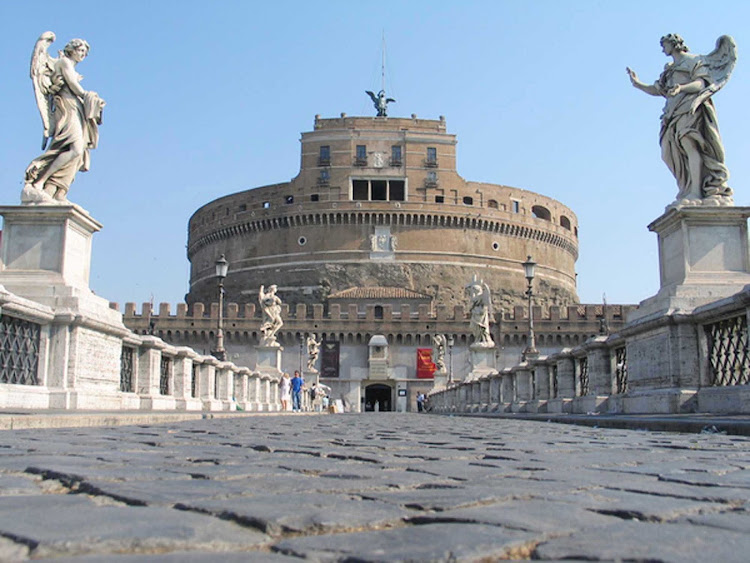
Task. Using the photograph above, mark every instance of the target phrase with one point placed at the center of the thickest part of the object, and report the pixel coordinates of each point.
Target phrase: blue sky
(209, 98)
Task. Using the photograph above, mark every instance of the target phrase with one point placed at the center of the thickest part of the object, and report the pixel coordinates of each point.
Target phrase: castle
(379, 235)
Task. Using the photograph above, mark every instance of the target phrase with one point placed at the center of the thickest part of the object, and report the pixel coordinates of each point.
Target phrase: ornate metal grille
(126, 370)
(583, 375)
(19, 351)
(554, 381)
(194, 381)
(727, 352)
(621, 369)
(533, 384)
(164, 376)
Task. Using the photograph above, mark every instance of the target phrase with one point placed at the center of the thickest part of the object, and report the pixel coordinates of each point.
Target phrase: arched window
(378, 312)
(492, 204)
(541, 212)
(468, 200)
(564, 222)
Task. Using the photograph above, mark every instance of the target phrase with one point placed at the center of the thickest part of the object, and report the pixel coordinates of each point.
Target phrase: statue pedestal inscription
(703, 257)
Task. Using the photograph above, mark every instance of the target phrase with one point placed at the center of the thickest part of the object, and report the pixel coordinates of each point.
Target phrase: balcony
(396, 162)
(431, 163)
(324, 161)
(360, 161)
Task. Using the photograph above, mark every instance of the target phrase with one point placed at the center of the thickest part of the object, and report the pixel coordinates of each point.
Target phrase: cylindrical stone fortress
(378, 202)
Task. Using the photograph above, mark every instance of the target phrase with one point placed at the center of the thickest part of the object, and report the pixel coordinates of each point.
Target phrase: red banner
(425, 366)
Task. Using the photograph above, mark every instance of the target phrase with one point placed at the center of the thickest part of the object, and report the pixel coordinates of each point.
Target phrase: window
(431, 180)
(439, 199)
(564, 222)
(397, 190)
(468, 200)
(378, 312)
(242, 207)
(289, 199)
(431, 156)
(314, 197)
(325, 156)
(516, 206)
(541, 212)
(492, 204)
(361, 157)
(266, 205)
(379, 190)
(396, 155)
(324, 178)
(360, 190)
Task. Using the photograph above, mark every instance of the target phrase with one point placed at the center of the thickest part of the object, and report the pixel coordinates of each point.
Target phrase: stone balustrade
(41, 348)
(705, 367)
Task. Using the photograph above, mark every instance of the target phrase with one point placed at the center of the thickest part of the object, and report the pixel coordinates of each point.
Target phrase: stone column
(207, 384)
(522, 379)
(506, 389)
(183, 379)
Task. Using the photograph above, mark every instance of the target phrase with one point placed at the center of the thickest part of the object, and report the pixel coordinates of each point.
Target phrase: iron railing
(164, 376)
(728, 359)
(583, 375)
(126, 369)
(621, 370)
(554, 381)
(19, 351)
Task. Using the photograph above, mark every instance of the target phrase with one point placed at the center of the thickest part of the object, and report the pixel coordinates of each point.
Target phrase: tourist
(297, 383)
(285, 386)
(420, 402)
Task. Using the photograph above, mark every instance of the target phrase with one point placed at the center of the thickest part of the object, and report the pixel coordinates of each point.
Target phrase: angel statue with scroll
(70, 116)
(480, 311)
(690, 142)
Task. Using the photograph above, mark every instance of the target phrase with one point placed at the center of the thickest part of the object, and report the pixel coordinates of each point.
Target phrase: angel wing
(372, 96)
(720, 64)
(42, 67)
(487, 298)
(389, 100)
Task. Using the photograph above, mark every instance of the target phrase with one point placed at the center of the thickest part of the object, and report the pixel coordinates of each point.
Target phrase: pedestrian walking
(297, 383)
(285, 387)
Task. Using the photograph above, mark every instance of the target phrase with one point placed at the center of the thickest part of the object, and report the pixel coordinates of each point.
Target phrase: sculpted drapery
(70, 116)
(690, 142)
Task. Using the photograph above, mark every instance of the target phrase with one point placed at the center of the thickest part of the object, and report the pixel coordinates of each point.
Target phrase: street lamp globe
(529, 268)
(222, 266)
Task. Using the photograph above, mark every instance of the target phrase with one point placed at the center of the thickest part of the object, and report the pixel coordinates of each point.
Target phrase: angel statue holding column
(480, 311)
(71, 117)
(690, 142)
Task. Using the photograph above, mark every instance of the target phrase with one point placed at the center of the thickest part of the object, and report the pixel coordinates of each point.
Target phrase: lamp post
(451, 342)
(529, 268)
(222, 266)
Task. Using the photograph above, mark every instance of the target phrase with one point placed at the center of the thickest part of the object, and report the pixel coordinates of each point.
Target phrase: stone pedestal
(269, 360)
(482, 362)
(703, 257)
(45, 257)
(440, 380)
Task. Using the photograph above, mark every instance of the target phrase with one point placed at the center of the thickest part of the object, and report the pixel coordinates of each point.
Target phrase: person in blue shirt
(297, 383)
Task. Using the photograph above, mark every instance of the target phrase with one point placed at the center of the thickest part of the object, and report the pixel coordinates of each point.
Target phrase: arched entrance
(378, 397)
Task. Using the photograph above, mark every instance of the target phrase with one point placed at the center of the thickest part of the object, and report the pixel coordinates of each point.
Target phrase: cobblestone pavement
(372, 487)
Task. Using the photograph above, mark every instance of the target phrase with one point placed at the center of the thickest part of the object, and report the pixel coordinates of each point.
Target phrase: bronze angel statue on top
(380, 102)
(71, 117)
(690, 142)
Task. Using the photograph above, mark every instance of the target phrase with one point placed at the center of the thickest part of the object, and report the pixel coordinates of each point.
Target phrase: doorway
(378, 397)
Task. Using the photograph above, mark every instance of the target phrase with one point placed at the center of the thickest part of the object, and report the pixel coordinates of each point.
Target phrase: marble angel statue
(480, 310)
(70, 115)
(690, 142)
(270, 304)
(438, 352)
(313, 350)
